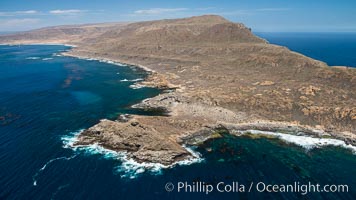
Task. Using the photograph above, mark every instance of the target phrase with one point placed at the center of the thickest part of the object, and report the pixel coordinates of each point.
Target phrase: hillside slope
(220, 64)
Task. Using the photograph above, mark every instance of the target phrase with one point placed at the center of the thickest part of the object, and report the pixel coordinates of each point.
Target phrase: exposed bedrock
(219, 74)
(159, 139)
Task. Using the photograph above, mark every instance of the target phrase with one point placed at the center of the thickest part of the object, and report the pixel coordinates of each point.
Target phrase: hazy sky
(260, 15)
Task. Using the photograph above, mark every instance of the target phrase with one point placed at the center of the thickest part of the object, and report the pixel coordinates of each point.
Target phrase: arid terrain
(218, 75)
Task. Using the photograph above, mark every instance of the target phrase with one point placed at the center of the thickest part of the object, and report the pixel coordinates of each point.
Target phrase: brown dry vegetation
(219, 64)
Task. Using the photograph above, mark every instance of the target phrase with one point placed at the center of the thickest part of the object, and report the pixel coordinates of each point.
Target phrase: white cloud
(27, 12)
(18, 24)
(16, 13)
(35, 12)
(66, 12)
(157, 11)
(178, 12)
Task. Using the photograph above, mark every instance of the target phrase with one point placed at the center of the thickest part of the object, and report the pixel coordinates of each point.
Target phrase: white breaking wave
(133, 80)
(136, 86)
(34, 178)
(106, 61)
(47, 58)
(69, 140)
(306, 142)
(132, 169)
(128, 168)
(57, 55)
(32, 58)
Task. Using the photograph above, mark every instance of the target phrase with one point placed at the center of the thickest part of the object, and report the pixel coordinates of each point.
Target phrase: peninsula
(216, 75)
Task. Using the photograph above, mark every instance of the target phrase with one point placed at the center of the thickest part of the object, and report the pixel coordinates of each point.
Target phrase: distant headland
(217, 75)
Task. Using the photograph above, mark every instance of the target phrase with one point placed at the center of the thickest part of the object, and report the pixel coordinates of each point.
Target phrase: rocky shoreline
(160, 139)
(145, 143)
(218, 76)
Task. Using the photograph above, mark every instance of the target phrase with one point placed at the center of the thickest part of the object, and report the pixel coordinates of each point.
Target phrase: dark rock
(96, 132)
(134, 123)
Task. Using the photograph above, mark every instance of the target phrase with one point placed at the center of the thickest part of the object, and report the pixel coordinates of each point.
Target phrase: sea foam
(132, 80)
(304, 141)
(34, 177)
(128, 167)
(104, 61)
(131, 169)
(33, 58)
(136, 86)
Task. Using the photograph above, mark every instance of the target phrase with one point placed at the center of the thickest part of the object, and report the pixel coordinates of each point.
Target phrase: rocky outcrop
(219, 72)
(310, 90)
(142, 142)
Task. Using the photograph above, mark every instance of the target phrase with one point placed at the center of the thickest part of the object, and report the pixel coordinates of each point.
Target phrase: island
(216, 75)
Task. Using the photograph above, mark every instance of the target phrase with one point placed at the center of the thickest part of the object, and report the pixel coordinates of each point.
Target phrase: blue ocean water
(336, 49)
(45, 98)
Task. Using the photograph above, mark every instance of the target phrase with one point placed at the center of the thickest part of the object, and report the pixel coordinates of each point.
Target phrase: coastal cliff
(217, 74)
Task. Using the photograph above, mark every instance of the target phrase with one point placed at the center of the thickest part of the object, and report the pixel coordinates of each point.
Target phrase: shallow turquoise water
(44, 100)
